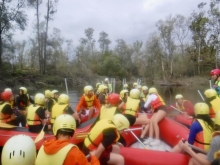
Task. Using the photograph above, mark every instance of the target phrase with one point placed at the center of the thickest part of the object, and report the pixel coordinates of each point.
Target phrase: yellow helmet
(7, 90)
(201, 109)
(122, 93)
(19, 149)
(97, 85)
(53, 92)
(152, 90)
(104, 87)
(135, 93)
(63, 99)
(210, 93)
(135, 84)
(217, 118)
(47, 93)
(39, 99)
(121, 122)
(24, 90)
(179, 96)
(144, 88)
(64, 122)
(87, 89)
(126, 86)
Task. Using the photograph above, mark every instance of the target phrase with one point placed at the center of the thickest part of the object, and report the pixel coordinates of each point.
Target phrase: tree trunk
(1, 51)
(38, 39)
(45, 38)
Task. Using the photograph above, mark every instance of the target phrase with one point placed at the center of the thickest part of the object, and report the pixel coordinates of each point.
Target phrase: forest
(180, 46)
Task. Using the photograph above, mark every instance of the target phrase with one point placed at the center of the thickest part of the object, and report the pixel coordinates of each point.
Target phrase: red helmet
(113, 99)
(6, 96)
(215, 72)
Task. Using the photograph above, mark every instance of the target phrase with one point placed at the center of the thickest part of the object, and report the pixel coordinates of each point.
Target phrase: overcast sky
(130, 20)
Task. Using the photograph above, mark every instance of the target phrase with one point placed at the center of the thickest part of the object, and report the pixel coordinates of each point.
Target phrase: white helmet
(7, 90)
(19, 149)
(106, 79)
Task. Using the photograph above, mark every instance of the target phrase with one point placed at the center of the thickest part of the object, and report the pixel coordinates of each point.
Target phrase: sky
(130, 20)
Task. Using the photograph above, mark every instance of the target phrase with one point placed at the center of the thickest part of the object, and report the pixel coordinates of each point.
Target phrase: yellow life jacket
(131, 106)
(203, 138)
(4, 117)
(57, 110)
(143, 96)
(215, 107)
(32, 117)
(55, 159)
(89, 101)
(107, 112)
(181, 107)
(95, 136)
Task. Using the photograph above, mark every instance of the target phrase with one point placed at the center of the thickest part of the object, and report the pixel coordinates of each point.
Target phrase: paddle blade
(81, 135)
(39, 137)
(4, 125)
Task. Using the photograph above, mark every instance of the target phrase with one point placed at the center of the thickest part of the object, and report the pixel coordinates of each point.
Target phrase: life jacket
(204, 137)
(105, 98)
(4, 117)
(157, 103)
(89, 101)
(181, 107)
(55, 159)
(95, 136)
(215, 107)
(107, 112)
(24, 103)
(57, 110)
(32, 117)
(143, 96)
(131, 106)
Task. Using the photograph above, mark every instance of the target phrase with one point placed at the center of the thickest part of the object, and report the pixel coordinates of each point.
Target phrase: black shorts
(163, 108)
(131, 119)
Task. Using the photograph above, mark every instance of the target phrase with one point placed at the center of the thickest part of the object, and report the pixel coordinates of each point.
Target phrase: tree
(20, 47)
(11, 18)
(104, 42)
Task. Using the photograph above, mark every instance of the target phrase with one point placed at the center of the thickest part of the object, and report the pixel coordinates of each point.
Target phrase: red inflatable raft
(187, 121)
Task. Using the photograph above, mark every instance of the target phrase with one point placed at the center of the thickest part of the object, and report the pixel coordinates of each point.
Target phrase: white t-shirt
(150, 98)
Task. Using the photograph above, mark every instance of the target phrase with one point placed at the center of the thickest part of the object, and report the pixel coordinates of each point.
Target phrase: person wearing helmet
(131, 108)
(200, 130)
(103, 96)
(215, 73)
(123, 95)
(47, 94)
(106, 83)
(52, 98)
(135, 85)
(19, 149)
(88, 103)
(60, 150)
(102, 137)
(96, 92)
(23, 100)
(7, 114)
(183, 105)
(36, 117)
(213, 101)
(12, 101)
(158, 107)
(144, 93)
(55, 95)
(126, 87)
(213, 153)
(63, 107)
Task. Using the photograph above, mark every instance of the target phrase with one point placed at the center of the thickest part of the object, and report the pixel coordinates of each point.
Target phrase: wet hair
(216, 162)
(65, 132)
(208, 121)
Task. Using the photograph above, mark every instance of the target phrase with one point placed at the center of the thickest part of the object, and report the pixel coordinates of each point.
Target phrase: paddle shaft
(198, 149)
(138, 139)
(178, 110)
(67, 92)
(210, 84)
(201, 95)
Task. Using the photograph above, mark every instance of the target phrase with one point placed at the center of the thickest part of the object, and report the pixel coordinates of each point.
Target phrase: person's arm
(97, 103)
(195, 128)
(76, 157)
(69, 110)
(151, 98)
(214, 147)
(200, 159)
(41, 113)
(50, 105)
(80, 104)
(31, 100)
(8, 110)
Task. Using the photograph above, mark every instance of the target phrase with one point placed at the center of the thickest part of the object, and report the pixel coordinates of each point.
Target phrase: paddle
(83, 135)
(198, 149)
(40, 136)
(201, 95)
(67, 92)
(210, 83)
(4, 125)
(180, 111)
(138, 139)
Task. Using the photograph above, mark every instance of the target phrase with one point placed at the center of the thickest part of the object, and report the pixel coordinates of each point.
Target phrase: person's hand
(184, 146)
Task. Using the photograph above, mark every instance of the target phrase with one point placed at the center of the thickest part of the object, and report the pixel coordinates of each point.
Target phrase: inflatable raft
(185, 120)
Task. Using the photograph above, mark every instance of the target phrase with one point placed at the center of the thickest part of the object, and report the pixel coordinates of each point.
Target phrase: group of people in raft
(117, 112)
